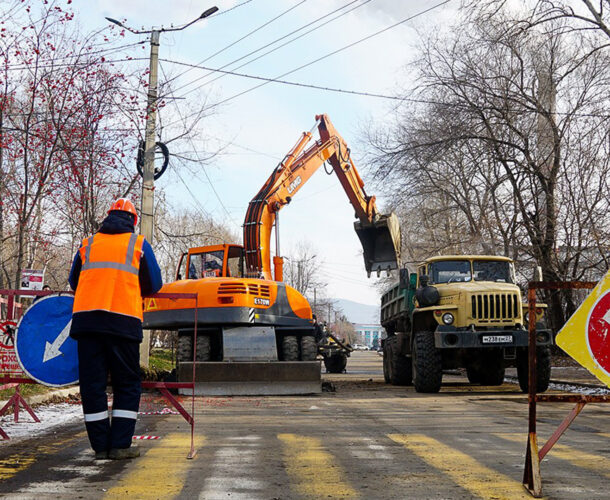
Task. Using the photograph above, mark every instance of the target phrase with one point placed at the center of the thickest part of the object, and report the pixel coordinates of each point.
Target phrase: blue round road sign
(43, 345)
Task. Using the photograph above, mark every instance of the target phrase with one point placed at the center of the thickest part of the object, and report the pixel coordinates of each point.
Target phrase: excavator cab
(216, 261)
(380, 243)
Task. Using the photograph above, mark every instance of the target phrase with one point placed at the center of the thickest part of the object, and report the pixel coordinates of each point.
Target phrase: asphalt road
(366, 440)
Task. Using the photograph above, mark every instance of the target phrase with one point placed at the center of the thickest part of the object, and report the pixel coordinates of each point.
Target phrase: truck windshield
(449, 271)
(492, 270)
(206, 265)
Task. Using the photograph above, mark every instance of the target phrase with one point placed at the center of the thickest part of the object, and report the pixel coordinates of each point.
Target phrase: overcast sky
(264, 124)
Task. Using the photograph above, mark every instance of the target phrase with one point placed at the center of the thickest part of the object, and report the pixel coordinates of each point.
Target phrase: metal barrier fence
(14, 310)
(532, 477)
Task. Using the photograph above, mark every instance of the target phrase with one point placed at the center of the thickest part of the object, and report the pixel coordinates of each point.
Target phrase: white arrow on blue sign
(43, 345)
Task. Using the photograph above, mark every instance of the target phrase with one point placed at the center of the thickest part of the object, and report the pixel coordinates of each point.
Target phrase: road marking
(18, 462)
(368, 449)
(232, 470)
(586, 460)
(160, 473)
(314, 470)
(464, 470)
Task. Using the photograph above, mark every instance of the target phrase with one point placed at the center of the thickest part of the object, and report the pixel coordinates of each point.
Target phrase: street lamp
(148, 180)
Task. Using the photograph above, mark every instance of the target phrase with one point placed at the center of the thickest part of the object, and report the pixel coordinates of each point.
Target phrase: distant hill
(358, 313)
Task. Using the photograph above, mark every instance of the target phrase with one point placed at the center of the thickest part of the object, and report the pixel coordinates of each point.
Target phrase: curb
(42, 398)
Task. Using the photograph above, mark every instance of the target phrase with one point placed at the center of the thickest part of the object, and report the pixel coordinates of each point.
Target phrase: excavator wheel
(203, 348)
(185, 348)
(309, 349)
(290, 348)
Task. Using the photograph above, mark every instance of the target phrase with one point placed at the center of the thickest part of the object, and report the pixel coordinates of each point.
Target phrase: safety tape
(145, 437)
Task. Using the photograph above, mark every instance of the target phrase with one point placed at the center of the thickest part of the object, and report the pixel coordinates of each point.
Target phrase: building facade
(369, 333)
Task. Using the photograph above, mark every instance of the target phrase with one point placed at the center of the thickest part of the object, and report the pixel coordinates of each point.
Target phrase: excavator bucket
(380, 243)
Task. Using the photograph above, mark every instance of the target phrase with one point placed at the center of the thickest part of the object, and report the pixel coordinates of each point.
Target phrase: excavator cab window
(206, 265)
(235, 262)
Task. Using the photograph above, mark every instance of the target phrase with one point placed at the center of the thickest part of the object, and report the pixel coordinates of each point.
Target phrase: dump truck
(251, 325)
(460, 311)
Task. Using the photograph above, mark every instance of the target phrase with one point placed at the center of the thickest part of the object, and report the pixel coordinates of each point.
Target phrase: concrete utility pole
(148, 177)
(148, 171)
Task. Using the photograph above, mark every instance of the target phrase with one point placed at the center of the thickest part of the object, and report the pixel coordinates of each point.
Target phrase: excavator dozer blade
(380, 243)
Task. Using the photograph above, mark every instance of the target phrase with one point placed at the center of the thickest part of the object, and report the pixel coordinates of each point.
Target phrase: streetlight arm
(207, 13)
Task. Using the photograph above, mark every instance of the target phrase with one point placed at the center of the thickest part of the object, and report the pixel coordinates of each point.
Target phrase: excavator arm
(379, 234)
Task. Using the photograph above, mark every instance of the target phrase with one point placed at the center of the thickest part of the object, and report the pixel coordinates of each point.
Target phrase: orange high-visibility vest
(108, 280)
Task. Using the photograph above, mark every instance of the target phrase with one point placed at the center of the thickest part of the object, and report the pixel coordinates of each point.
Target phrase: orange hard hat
(126, 206)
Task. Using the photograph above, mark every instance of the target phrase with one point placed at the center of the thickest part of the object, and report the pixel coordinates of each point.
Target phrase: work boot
(101, 455)
(123, 453)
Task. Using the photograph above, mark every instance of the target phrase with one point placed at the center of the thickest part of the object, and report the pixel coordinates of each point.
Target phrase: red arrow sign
(598, 332)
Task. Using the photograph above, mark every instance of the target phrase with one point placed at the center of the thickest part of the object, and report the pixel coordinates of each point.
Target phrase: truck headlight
(448, 318)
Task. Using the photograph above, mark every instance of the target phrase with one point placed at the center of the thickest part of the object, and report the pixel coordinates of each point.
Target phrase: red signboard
(598, 332)
(9, 366)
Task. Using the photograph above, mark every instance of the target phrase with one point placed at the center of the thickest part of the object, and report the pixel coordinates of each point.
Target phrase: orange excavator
(246, 313)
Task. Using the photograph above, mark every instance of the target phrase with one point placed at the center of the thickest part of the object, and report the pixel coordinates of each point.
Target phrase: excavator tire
(184, 349)
(472, 372)
(335, 363)
(309, 348)
(204, 351)
(290, 348)
(402, 371)
(427, 363)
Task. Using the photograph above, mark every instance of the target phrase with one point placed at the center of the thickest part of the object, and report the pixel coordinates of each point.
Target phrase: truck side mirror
(403, 282)
(413, 281)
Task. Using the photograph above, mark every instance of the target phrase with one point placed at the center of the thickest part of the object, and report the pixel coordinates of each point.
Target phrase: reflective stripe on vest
(109, 277)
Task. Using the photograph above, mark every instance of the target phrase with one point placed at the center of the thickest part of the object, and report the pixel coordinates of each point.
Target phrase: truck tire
(335, 363)
(386, 363)
(290, 348)
(543, 369)
(427, 363)
(184, 349)
(402, 370)
(492, 368)
(309, 348)
(204, 351)
(472, 372)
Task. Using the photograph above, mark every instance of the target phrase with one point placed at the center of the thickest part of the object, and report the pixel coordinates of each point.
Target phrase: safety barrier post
(163, 387)
(532, 477)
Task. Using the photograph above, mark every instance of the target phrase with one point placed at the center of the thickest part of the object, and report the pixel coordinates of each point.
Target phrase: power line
(232, 8)
(334, 52)
(272, 43)
(238, 40)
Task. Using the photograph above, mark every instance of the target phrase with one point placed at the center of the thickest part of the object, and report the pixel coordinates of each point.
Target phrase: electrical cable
(272, 43)
(238, 40)
(345, 47)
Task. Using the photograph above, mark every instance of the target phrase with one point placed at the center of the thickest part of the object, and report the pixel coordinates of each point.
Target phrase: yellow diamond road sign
(586, 335)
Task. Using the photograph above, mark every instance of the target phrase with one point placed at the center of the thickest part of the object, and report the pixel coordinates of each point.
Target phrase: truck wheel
(290, 348)
(204, 351)
(386, 363)
(427, 363)
(543, 369)
(184, 349)
(472, 372)
(335, 363)
(402, 370)
(309, 348)
(492, 368)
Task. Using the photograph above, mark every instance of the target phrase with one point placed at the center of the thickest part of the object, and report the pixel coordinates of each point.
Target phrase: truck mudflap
(380, 243)
(446, 337)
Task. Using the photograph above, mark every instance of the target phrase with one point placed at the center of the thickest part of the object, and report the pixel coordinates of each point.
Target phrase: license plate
(497, 339)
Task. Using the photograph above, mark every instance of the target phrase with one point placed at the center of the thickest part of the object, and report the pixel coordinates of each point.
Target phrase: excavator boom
(379, 234)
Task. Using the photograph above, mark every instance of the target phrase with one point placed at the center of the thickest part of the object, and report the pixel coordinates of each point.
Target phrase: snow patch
(51, 416)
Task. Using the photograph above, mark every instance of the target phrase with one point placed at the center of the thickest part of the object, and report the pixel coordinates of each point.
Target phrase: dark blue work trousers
(98, 356)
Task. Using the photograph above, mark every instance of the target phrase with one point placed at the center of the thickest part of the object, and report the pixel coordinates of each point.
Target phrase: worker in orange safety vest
(110, 273)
